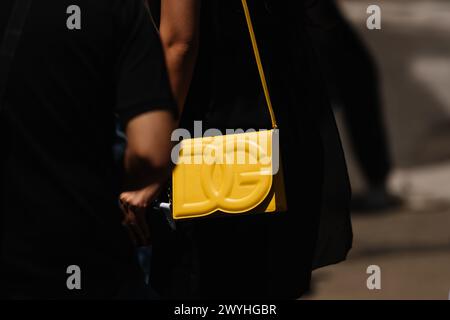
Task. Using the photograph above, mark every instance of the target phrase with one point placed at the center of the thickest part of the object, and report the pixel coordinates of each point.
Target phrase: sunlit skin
(179, 28)
(147, 163)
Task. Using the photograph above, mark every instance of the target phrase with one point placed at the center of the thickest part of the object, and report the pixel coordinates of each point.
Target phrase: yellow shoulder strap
(259, 63)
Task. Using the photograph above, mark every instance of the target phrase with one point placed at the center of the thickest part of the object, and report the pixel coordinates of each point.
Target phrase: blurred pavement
(411, 245)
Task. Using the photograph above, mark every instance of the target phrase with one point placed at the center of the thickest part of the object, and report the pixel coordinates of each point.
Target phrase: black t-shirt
(59, 204)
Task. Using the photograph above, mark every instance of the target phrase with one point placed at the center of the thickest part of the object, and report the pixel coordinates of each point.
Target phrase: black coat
(263, 255)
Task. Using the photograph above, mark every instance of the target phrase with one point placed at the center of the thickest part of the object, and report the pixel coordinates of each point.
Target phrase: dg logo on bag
(230, 173)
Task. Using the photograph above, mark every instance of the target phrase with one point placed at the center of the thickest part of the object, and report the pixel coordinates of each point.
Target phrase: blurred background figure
(353, 86)
(410, 244)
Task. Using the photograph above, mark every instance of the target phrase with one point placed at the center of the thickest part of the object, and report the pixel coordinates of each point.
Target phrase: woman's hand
(134, 205)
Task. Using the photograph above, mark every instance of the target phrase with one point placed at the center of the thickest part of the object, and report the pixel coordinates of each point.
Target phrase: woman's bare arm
(147, 160)
(147, 167)
(179, 30)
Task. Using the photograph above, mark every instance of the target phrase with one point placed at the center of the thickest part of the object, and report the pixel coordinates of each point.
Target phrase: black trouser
(352, 79)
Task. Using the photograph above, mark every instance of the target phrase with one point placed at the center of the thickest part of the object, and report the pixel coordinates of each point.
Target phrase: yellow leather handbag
(233, 174)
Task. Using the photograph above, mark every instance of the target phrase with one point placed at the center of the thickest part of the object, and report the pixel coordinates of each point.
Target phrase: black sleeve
(142, 80)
